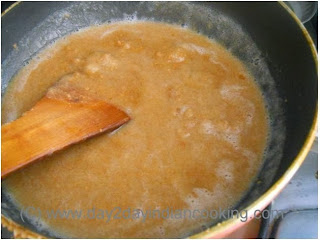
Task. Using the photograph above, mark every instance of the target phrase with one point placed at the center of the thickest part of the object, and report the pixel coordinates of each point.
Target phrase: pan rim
(230, 225)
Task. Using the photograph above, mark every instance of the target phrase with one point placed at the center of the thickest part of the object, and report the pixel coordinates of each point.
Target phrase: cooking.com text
(117, 213)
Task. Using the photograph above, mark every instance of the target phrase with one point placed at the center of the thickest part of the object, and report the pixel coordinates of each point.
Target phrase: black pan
(266, 36)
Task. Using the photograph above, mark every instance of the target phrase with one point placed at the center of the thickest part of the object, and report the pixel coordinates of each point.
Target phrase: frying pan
(266, 36)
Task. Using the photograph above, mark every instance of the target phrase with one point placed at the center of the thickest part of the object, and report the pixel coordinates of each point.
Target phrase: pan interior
(198, 17)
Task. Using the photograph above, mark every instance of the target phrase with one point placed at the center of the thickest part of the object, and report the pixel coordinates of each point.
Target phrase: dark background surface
(5, 5)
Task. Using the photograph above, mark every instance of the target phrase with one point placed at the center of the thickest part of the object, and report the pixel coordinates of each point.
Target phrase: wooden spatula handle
(51, 125)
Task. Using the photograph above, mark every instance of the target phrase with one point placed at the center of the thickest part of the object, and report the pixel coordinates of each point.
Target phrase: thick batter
(195, 141)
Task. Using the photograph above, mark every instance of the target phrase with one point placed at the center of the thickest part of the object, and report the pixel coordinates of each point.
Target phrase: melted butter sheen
(195, 141)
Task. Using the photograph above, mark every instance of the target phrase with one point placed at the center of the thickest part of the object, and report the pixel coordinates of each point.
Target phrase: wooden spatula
(66, 115)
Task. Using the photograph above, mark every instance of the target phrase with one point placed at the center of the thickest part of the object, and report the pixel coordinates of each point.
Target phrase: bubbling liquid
(196, 139)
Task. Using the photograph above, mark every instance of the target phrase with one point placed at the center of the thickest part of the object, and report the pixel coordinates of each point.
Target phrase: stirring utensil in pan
(64, 116)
